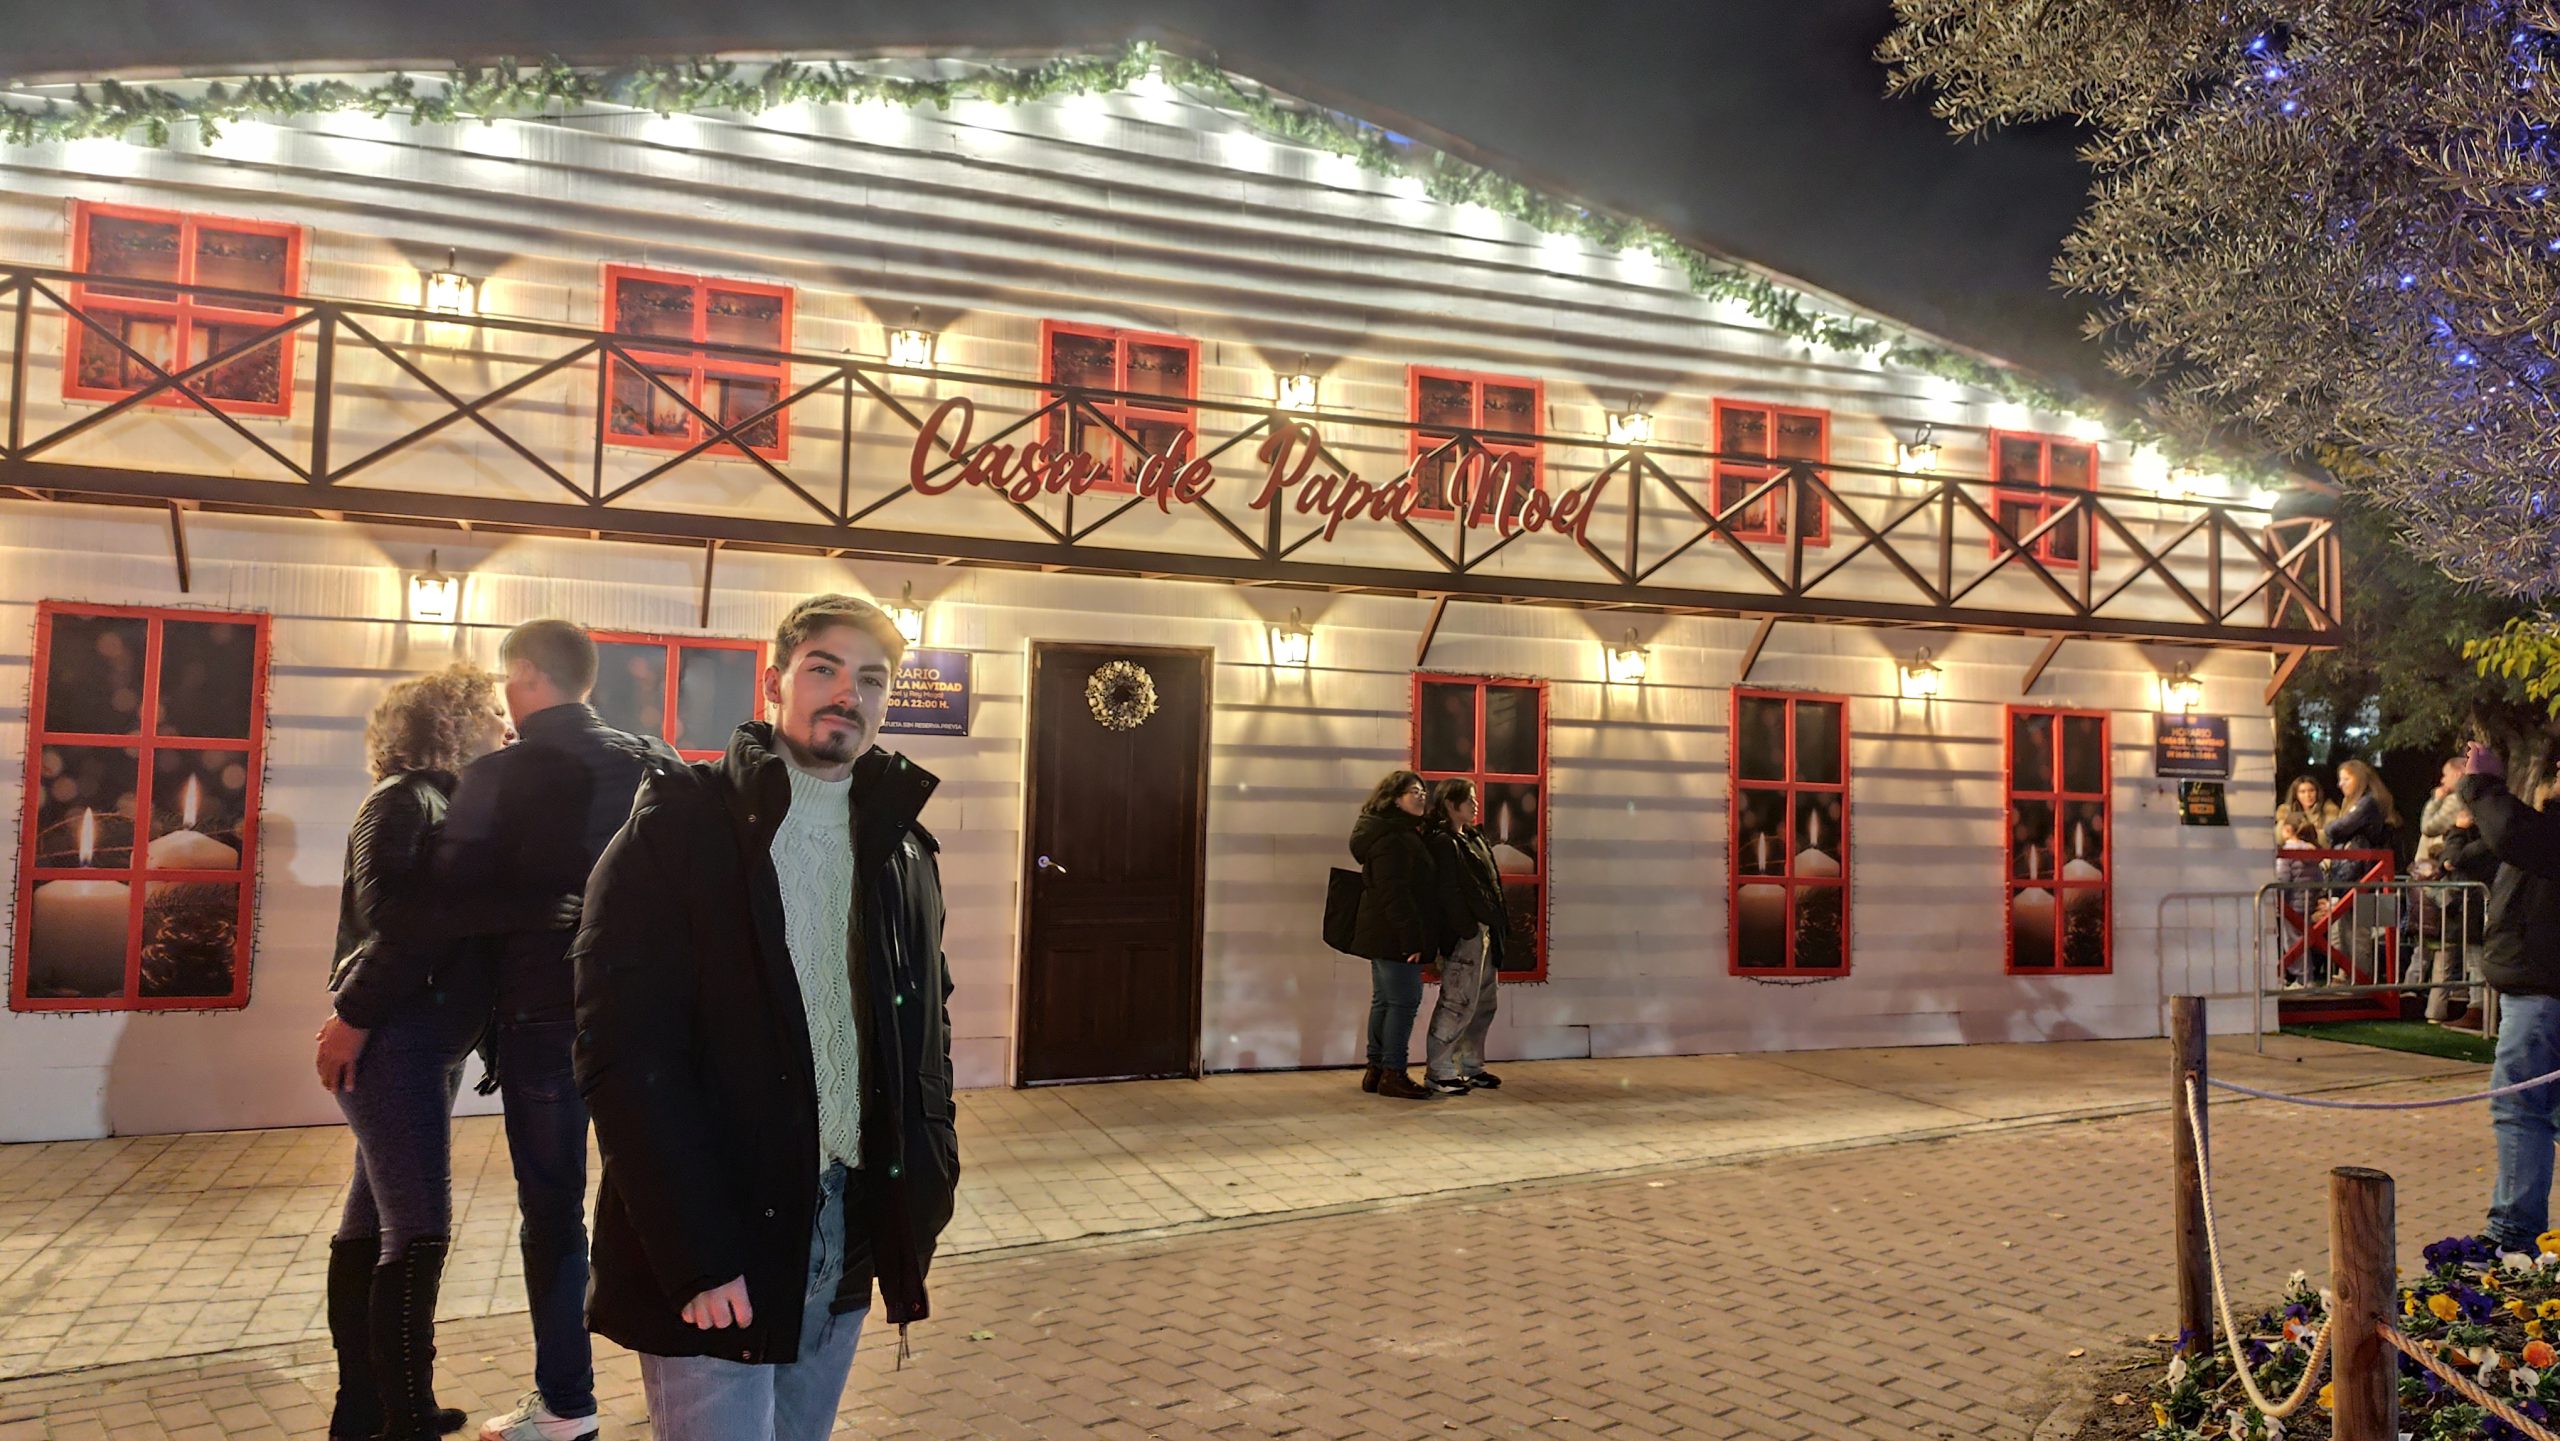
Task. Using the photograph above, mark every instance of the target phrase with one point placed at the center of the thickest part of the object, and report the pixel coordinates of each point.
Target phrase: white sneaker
(533, 1421)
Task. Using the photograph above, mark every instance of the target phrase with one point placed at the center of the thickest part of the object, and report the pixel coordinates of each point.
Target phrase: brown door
(1112, 869)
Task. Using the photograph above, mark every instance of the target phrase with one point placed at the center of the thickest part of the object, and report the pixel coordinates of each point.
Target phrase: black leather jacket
(693, 1054)
(1469, 888)
(395, 944)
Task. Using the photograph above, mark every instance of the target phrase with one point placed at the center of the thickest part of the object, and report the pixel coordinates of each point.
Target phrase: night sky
(1757, 127)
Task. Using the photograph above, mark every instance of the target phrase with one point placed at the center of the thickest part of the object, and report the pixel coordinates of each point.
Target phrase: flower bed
(2496, 1318)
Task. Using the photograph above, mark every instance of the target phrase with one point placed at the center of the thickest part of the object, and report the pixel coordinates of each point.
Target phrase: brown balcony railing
(377, 397)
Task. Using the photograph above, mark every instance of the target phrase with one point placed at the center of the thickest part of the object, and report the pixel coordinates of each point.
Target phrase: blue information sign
(931, 695)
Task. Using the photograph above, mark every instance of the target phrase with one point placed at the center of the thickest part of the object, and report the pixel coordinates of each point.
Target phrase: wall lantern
(2181, 482)
(448, 291)
(1919, 456)
(1627, 662)
(1295, 392)
(435, 598)
(1921, 678)
(908, 616)
(2180, 692)
(1634, 427)
(1292, 644)
(911, 346)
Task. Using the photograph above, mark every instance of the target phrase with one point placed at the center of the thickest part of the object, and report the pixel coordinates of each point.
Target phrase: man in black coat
(765, 1041)
(2520, 955)
(534, 816)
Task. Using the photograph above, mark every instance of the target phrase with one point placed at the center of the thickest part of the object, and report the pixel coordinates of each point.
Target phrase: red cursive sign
(1480, 484)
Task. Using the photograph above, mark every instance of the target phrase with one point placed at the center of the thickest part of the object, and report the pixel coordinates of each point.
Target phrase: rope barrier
(2469, 1389)
(2222, 1300)
(2321, 1101)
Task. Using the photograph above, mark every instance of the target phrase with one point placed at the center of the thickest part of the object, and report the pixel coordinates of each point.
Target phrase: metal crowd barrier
(2367, 934)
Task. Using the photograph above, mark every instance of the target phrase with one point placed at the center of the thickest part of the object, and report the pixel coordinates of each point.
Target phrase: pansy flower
(2444, 1307)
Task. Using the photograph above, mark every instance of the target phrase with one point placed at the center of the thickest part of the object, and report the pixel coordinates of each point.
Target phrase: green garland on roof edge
(507, 89)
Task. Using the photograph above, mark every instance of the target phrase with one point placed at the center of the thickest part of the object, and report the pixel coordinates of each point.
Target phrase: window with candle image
(1493, 731)
(138, 855)
(689, 691)
(1163, 372)
(1788, 881)
(2059, 849)
(127, 247)
(1448, 403)
(2028, 469)
(670, 308)
(1783, 434)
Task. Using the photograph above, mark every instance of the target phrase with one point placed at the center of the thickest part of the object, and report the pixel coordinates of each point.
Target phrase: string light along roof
(56, 108)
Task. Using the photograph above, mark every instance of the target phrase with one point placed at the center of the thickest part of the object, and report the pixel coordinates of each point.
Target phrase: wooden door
(1115, 839)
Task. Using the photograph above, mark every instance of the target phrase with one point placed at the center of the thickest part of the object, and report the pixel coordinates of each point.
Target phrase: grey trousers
(1464, 1016)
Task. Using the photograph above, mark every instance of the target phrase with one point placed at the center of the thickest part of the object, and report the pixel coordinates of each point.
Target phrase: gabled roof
(56, 107)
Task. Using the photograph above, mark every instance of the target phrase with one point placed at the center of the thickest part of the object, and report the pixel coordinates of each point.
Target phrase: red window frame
(1767, 520)
(146, 742)
(1538, 883)
(1118, 478)
(695, 370)
(671, 714)
(2020, 511)
(1786, 877)
(1421, 442)
(2048, 874)
(186, 314)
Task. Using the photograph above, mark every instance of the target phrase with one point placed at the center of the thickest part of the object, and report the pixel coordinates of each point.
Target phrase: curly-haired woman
(411, 998)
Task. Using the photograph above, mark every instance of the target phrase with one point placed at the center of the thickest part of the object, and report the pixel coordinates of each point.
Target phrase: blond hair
(426, 723)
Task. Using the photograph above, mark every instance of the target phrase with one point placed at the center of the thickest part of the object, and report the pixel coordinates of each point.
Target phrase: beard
(829, 745)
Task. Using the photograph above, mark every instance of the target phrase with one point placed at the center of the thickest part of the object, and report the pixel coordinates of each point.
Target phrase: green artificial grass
(2415, 1037)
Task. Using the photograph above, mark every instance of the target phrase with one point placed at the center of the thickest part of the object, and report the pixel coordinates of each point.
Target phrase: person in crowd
(764, 1038)
(1398, 928)
(2304, 804)
(2366, 821)
(2295, 870)
(2520, 955)
(539, 813)
(2436, 818)
(1473, 928)
(2462, 920)
(411, 995)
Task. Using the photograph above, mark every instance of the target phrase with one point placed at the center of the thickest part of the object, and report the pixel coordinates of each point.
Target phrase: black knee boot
(404, 1343)
(358, 1412)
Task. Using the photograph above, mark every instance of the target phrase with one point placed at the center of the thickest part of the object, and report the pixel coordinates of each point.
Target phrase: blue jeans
(547, 1145)
(401, 1112)
(2526, 1122)
(703, 1398)
(1395, 998)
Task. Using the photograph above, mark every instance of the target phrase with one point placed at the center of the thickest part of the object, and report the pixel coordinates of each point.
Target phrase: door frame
(1207, 657)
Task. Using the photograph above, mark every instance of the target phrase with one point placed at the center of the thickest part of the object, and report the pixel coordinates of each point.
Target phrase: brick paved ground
(1914, 1288)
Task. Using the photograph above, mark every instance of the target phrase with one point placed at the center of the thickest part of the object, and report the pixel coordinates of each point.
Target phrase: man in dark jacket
(765, 1041)
(535, 816)
(2521, 957)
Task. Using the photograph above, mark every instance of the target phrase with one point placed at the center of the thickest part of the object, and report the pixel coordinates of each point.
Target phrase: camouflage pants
(1464, 1015)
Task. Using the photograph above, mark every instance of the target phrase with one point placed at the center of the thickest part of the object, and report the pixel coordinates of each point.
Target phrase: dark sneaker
(1485, 1081)
(1448, 1086)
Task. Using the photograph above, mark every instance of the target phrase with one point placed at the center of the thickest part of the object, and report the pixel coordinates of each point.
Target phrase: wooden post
(2186, 1157)
(2362, 1274)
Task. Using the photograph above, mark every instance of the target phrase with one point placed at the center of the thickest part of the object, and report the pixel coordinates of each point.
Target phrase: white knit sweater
(813, 860)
